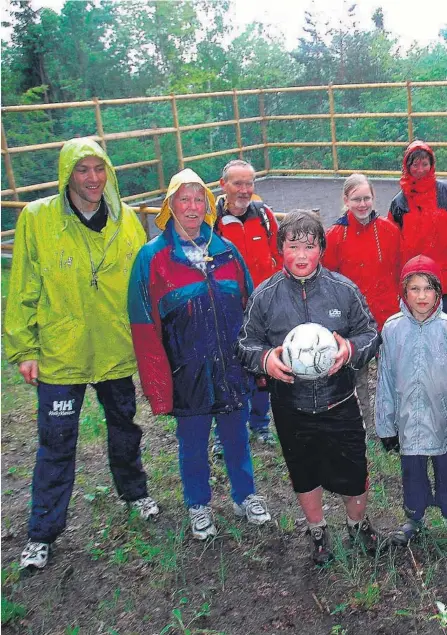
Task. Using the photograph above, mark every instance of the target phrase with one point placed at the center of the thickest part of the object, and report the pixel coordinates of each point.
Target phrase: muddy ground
(114, 574)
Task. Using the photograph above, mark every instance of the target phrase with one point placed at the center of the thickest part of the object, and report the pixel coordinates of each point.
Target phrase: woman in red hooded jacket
(420, 209)
(365, 248)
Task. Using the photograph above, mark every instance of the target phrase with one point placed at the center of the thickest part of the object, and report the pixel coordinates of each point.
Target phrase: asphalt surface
(283, 194)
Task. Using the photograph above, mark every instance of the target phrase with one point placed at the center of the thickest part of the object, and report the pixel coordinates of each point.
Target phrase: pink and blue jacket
(185, 323)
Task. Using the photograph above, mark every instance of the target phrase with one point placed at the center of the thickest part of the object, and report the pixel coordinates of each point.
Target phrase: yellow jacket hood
(182, 178)
(76, 149)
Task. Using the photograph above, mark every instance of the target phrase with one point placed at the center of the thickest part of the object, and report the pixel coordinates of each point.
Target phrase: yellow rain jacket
(78, 333)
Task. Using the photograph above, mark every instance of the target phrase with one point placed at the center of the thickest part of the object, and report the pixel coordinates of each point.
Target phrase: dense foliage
(115, 49)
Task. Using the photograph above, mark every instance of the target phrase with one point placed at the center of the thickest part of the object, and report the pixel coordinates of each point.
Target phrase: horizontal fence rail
(236, 122)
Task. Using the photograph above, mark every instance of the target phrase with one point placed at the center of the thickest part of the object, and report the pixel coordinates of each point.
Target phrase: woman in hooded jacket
(365, 248)
(420, 209)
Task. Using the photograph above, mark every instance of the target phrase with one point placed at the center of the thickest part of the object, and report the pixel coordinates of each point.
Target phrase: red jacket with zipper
(256, 242)
(420, 212)
(369, 256)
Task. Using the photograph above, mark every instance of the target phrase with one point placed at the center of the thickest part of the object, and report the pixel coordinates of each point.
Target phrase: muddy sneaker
(321, 543)
(409, 530)
(35, 555)
(254, 509)
(217, 451)
(146, 507)
(265, 437)
(364, 534)
(202, 524)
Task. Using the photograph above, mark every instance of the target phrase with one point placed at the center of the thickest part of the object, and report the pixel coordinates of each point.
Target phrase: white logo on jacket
(334, 313)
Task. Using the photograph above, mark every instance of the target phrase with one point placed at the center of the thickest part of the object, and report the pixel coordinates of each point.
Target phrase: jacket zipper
(306, 311)
(210, 292)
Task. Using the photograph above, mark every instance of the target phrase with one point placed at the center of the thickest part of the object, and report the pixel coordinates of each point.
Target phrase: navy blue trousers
(258, 419)
(417, 489)
(193, 435)
(58, 425)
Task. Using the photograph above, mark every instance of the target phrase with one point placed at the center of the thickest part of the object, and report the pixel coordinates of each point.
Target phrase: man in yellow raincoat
(66, 326)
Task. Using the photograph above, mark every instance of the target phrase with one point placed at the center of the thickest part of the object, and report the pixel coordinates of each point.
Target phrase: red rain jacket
(255, 241)
(420, 211)
(369, 256)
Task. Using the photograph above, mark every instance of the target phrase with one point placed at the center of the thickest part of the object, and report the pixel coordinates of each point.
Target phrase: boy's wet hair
(417, 155)
(300, 225)
(431, 279)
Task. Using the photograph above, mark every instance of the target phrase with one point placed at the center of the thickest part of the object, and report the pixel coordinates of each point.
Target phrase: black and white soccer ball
(309, 349)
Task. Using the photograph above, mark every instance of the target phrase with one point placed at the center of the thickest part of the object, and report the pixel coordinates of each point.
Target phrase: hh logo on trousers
(62, 408)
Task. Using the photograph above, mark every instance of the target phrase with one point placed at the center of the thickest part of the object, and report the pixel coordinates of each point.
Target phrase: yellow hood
(79, 148)
(181, 178)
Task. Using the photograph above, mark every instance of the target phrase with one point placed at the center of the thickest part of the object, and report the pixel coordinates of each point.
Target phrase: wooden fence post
(8, 166)
(99, 126)
(178, 137)
(410, 110)
(264, 131)
(333, 128)
(161, 176)
(238, 125)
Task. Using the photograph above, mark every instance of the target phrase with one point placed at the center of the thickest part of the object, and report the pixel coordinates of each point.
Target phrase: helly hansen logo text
(62, 408)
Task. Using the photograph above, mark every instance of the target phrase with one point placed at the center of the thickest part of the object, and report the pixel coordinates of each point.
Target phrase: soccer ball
(309, 349)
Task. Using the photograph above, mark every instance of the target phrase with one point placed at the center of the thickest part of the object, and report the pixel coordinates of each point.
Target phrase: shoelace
(202, 518)
(36, 549)
(256, 505)
(146, 506)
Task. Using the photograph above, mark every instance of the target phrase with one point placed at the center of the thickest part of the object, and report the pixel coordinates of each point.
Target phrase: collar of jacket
(216, 246)
(406, 311)
(222, 209)
(309, 282)
(67, 212)
(344, 219)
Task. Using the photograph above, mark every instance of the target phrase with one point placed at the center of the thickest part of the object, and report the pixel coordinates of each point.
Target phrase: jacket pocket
(58, 340)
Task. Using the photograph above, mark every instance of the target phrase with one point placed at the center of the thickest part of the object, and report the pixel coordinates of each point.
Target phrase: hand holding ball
(310, 350)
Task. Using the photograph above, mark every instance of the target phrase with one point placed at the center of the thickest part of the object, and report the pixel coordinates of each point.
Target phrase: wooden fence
(177, 129)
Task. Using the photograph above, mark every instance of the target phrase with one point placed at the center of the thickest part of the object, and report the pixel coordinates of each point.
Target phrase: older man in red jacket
(251, 226)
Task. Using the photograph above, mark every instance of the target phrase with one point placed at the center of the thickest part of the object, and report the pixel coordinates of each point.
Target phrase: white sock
(321, 523)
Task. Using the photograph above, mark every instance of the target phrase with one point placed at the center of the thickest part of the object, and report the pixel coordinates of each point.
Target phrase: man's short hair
(417, 155)
(299, 225)
(236, 163)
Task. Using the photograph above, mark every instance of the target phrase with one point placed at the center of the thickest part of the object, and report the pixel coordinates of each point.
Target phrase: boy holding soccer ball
(319, 424)
(411, 399)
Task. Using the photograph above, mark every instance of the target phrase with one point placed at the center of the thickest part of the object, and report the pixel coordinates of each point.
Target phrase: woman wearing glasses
(365, 248)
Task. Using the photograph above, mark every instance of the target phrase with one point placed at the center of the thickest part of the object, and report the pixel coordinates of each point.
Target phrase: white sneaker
(202, 524)
(254, 509)
(146, 507)
(35, 555)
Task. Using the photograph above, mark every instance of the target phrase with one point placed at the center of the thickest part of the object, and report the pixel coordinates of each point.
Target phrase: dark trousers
(417, 489)
(58, 424)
